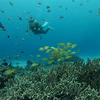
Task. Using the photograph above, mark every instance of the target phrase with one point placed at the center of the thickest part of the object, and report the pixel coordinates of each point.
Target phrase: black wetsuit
(37, 28)
(1, 25)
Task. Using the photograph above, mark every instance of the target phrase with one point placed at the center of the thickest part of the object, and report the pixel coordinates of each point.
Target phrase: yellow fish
(41, 49)
(72, 52)
(35, 64)
(61, 44)
(0, 59)
(38, 55)
(48, 50)
(67, 57)
(46, 47)
(50, 58)
(74, 45)
(44, 58)
(52, 47)
(7, 72)
(50, 61)
(59, 60)
(23, 38)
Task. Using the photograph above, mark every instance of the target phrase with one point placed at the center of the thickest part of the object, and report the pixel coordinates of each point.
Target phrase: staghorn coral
(90, 72)
(58, 83)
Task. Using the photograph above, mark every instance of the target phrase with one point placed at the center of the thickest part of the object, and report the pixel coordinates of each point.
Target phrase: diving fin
(45, 23)
(50, 28)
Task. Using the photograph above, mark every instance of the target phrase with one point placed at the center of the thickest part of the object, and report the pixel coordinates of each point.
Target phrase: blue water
(78, 27)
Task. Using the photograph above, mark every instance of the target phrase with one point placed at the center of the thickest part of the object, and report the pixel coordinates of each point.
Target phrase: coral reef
(67, 81)
(90, 72)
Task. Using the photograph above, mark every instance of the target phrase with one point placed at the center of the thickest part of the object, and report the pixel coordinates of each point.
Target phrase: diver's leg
(45, 32)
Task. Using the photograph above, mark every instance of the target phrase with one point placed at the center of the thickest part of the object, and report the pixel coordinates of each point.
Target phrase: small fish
(38, 56)
(35, 64)
(22, 51)
(66, 8)
(73, 0)
(21, 24)
(48, 10)
(29, 35)
(42, 19)
(16, 36)
(90, 11)
(26, 33)
(59, 60)
(8, 36)
(81, 4)
(61, 44)
(67, 57)
(44, 59)
(88, 0)
(46, 47)
(41, 49)
(50, 61)
(8, 57)
(61, 17)
(48, 50)
(9, 18)
(3, 29)
(60, 6)
(31, 17)
(23, 39)
(51, 58)
(16, 57)
(31, 55)
(47, 7)
(39, 3)
(11, 3)
(26, 18)
(2, 10)
(24, 12)
(0, 59)
(74, 45)
(8, 72)
(20, 18)
(1, 25)
(52, 47)
(28, 12)
(17, 28)
(72, 52)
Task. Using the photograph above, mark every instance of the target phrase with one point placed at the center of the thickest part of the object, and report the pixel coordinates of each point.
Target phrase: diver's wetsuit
(1, 25)
(36, 28)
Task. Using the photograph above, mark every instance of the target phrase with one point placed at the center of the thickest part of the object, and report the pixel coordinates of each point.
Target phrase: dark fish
(22, 51)
(16, 57)
(48, 10)
(61, 16)
(1, 25)
(39, 3)
(60, 6)
(11, 3)
(8, 36)
(47, 7)
(20, 18)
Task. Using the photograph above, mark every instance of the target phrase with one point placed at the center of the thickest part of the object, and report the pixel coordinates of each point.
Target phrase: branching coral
(58, 83)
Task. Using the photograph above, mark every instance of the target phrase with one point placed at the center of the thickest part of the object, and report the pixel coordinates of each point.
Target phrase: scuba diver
(37, 28)
(3, 28)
